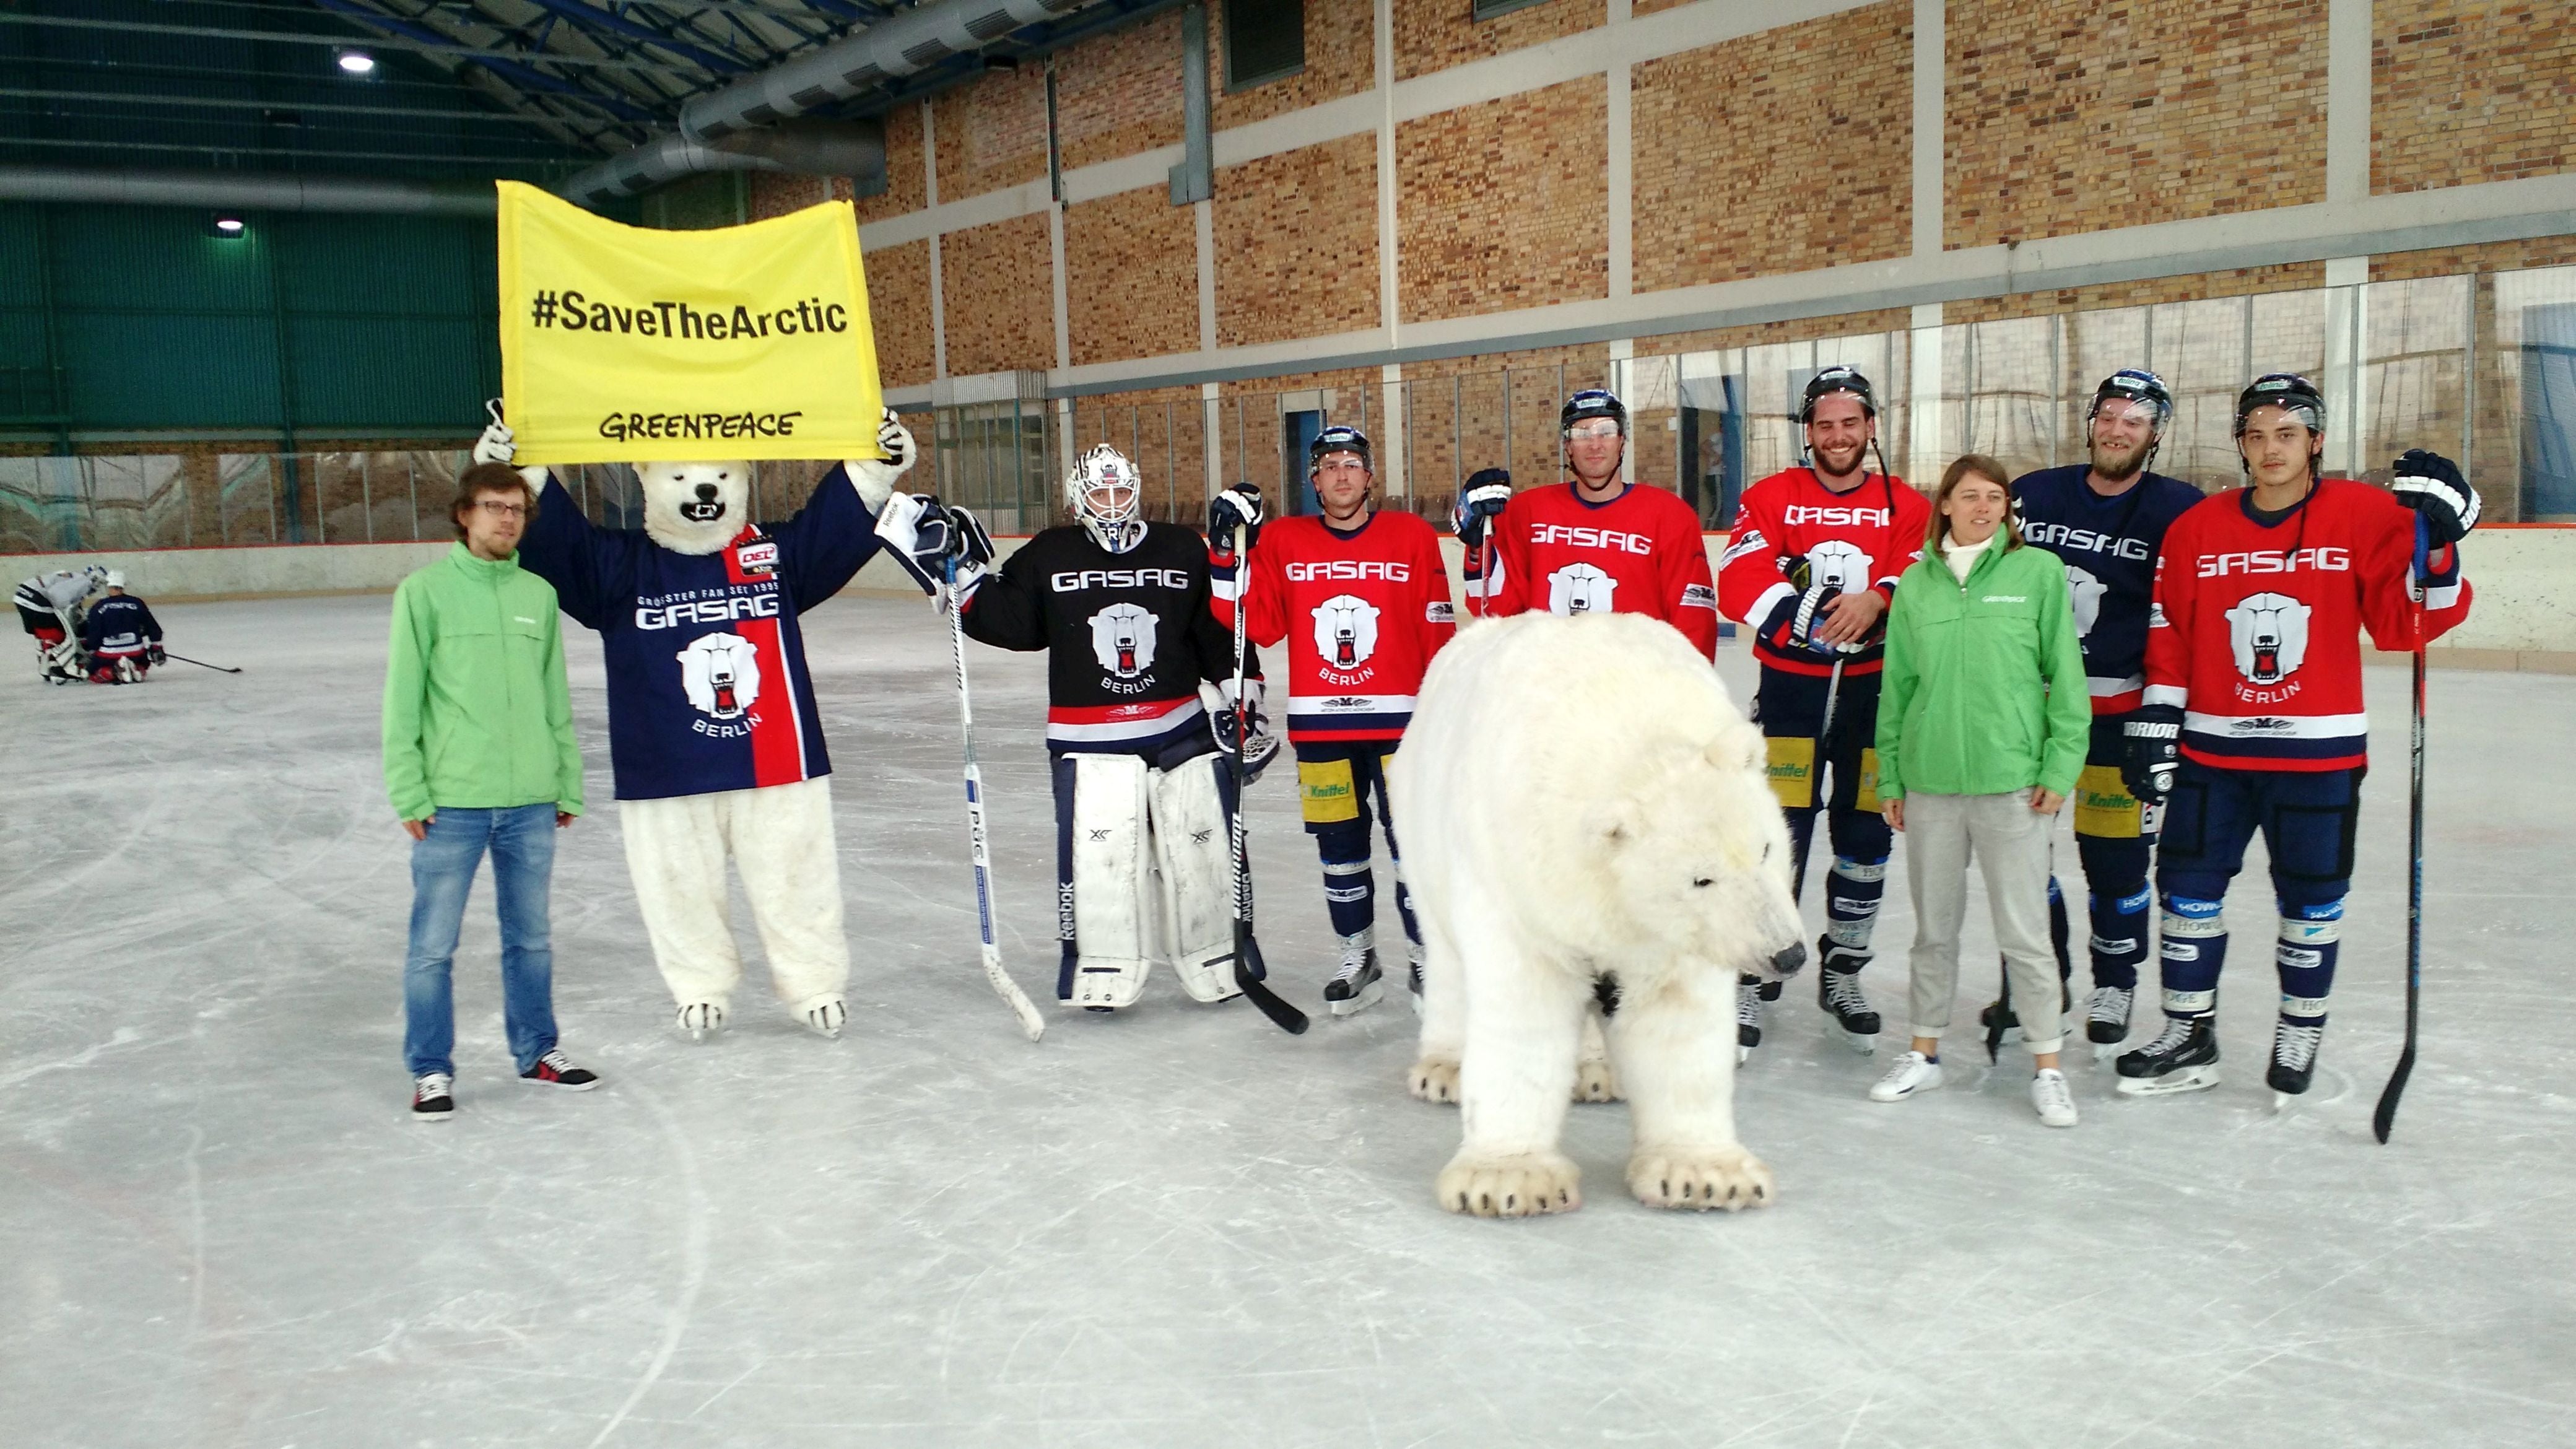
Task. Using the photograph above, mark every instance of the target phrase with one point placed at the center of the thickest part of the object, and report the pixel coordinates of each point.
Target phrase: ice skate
(824, 1016)
(1413, 978)
(432, 1097)
(1913, 1072)
(701, 1019)
(2294, 1058)
(2106, 1019)
(1838, 992)
(2184, 1059)
(1356, 986)
(1750, 993)
(2052, 1099)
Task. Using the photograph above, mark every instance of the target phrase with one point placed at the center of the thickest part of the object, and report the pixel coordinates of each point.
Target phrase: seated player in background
(1140, 699)
(50, 606)
(1361, 597)
(121, 636)
(2253, 715)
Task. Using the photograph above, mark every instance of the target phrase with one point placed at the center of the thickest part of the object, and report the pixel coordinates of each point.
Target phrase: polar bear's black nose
(1789, 958)
(706, 493)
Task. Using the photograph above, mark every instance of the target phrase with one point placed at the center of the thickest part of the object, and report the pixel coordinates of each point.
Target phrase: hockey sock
(1350, 887)
(1404, 904)
(1852, 892)
(2195, 952)
(2311, 938)
(1802, 834)
(2117, 897)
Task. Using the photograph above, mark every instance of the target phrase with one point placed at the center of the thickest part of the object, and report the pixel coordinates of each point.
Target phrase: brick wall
(899, 304)
(1121, 93)
(1341, 50)
(2242, 282)
(774, 193)
(2463, 92)
(997, 285)
(1296, 243)
(991, 132)
(1504, 204)
(1131, 276)
(1435, 34)
(2555, 251)
(2069, 116)
(1783, 152)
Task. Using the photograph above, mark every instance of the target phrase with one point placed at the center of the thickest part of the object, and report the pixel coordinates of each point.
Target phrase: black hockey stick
(1816, 778)
(1249, 968)
(2384, 1116)
(201, 664)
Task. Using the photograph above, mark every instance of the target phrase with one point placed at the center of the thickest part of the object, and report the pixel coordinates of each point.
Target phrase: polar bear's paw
(1594, 1081)
(1700, 1179)
(1435, 1079)
(1518, 1186)
(824, 1015)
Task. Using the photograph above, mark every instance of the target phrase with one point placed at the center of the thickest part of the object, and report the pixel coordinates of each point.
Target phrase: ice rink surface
(1174, 1226)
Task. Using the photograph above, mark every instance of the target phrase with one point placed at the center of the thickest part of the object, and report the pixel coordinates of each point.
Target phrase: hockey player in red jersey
(1361, 597)
(1593, 543)
(2253, 710)
(1811, 567)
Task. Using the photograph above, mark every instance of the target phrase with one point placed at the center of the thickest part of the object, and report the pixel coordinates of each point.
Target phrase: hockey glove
(1260, 747)
(922, 534)
(155, 657)
(2431, 485)
(1807, 614)
(2152, 740)
(1487, 492)
(1236, 511)
(875, 480)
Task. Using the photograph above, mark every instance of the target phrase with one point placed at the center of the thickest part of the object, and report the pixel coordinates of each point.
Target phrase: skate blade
(1367, 998)
(2105, 1051)
(1865, 1045)
(2190, 1079)
(1743, 1054)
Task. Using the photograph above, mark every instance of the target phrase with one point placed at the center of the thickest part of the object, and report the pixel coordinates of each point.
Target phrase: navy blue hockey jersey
(2109, 548)
(707, 685)
(119, 626)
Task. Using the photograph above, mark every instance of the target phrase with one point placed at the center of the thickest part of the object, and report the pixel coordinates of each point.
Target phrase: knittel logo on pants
(1122, 636)
(1345, 631)
(2270, 636)
(721, 674)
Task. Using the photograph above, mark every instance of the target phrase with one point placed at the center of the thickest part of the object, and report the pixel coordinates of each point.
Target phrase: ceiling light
(226, 225)
(357, 62)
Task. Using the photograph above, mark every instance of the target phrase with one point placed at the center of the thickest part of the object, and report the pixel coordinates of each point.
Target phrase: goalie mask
(1107, 498)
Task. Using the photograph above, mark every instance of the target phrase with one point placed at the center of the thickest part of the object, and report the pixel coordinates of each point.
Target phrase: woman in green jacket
(1983, 722)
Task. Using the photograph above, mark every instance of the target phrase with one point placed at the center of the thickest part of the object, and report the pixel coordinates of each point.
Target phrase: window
(1265, 40)
(1488, 9)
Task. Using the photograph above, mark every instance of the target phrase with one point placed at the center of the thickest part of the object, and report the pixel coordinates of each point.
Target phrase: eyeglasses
(1593, 432)
(499, 509)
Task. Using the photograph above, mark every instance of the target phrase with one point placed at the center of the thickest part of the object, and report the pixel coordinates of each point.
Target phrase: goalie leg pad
(1107, 886)
(1193, 816)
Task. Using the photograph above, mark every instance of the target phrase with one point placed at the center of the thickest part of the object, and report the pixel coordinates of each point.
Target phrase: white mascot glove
(875, 480)
(499, 445)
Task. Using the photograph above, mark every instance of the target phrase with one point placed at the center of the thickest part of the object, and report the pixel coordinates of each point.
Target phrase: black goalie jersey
(1128, 636)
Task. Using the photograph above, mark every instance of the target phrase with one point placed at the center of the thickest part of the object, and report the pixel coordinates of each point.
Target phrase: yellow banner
(622, 344)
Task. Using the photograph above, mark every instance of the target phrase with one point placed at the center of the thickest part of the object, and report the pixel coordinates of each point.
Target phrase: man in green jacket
(1984, 717)
(479, 755)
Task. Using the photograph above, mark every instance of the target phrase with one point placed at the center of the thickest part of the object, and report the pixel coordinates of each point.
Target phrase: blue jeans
(522, 842)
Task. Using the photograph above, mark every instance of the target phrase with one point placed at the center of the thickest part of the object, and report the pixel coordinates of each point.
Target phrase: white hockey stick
(1033, 1025)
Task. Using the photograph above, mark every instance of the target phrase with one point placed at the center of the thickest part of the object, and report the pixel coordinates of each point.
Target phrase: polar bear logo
(1345, 631)
(1840, 564)
(1122, 635)
(2270, 635)
(721, 672)
(2086, 592)
(1579, 589)
(1643, 875)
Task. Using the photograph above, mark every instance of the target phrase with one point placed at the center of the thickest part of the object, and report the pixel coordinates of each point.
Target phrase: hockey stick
(201, 664)
(1815, 777)
(2384, 1116)
(1249, 968)
(1031, 1023)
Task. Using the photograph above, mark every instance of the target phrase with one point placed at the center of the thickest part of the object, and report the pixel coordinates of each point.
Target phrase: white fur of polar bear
(1581, 802)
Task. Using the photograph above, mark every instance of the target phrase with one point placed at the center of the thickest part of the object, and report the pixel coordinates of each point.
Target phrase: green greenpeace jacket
(477, 713)
(1984, 687)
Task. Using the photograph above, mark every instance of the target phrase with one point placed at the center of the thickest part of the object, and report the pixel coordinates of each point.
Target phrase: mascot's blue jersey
(707, 687)
(2109, 548)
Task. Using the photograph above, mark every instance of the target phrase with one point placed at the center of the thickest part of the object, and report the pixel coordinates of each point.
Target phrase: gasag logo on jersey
(2085, 592)
(1074, 581)
(1349, 570)
(2269, 634)
(2085, 540)
(1122, 638)
(1579, 589)
(691, 606)
(2323, 559)
(1824, 517)
(1577, 536)
(720, 673)
(1346, 635)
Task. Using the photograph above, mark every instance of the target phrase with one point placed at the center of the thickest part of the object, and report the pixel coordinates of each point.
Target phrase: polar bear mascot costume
(1587, 823)
(712, 729)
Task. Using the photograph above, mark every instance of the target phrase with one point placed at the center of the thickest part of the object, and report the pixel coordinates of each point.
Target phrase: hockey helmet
(1841, 377)
(2287, 391)
(96, 574)
(2139, 387)
(1107, 498)
(115, 578)
(1593, 402)
(1339, 438)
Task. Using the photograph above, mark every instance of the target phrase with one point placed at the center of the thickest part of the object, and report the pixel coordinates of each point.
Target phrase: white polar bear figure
(1585, 817)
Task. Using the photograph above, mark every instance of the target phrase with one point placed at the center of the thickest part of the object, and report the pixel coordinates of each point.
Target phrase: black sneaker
(431, 1098)
(554, 1069)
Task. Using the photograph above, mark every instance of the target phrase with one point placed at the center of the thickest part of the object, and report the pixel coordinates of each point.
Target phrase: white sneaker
(1913, 1072)
(2054, 1099)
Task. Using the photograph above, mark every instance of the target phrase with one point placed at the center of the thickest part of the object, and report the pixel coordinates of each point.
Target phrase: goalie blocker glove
(1261, 746)
(2152, 740)
(1235, 511)
(2431, 485)
(923, 534)
(1487, 492)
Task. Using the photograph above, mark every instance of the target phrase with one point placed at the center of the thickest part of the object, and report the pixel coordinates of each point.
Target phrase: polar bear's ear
(1737, 747)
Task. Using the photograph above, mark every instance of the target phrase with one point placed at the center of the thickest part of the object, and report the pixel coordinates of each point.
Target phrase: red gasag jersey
(1639, 553)
(1863, 539)
(1362, 614)
(2256, 628)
